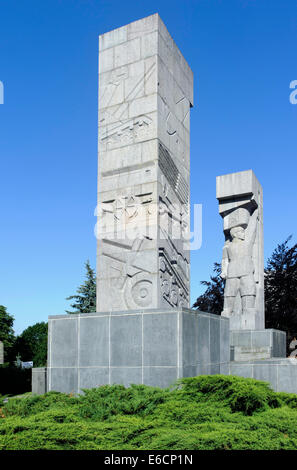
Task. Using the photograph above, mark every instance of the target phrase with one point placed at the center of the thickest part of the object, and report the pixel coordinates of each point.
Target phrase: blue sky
(243, 54)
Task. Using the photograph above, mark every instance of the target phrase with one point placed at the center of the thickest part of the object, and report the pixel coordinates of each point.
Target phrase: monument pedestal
(248, 321)
(280, 372)
(39, 381)
(153, 347)
(248, 345)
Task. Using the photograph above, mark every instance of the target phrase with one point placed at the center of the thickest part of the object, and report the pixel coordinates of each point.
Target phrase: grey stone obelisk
(145, 95)
(240, 197)
(142, 331)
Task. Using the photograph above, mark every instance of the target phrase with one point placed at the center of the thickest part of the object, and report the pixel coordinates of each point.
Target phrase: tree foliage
(200, 413)
(281, 289)
(6, 331)
(31, 345)
(85, 299)
(213, 298)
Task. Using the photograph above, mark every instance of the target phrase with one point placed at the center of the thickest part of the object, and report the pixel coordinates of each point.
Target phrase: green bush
(109, 400)
(33, 404)
(246, 395)
(206, 412)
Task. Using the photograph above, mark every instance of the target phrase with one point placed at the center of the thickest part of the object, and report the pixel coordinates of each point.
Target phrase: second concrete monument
(240, 198)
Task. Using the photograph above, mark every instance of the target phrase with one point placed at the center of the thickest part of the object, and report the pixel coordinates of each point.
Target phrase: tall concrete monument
(240, 197)
(143, 330)
(145, 96)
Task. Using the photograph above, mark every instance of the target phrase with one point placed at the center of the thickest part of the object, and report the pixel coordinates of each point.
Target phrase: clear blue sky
(243, 55)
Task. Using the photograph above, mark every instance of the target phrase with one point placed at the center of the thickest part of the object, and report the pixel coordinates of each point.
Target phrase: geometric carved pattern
(129, 273)
(172, 174)
(127, 131)
(173, 288)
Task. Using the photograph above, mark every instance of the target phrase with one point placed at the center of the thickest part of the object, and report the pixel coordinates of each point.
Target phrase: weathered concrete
(240, 199)
(248, 345)
(1, 352)
(281, 373)
(153, 347)
(39, 380)
(145, 95)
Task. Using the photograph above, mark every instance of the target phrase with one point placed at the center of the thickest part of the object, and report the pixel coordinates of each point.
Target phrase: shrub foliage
(205, 412)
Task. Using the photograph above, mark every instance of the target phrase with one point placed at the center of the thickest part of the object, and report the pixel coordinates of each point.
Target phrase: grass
(205, 412)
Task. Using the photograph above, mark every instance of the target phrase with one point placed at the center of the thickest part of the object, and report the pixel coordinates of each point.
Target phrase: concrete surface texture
(153, 347)
(1, 352)
(39, 380)
(248, 345)
(281, 373)
(240, 199)
(145, 95)
(142, 331)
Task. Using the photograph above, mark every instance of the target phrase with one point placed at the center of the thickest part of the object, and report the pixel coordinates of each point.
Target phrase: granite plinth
(280, 372)
(247, 345)
(152, 347)
(39, 380)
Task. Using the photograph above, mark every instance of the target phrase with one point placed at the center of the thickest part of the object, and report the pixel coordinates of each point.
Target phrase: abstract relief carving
(125, 208)
(182, 109)
(127, 131)
(173, 175)
(173, 287)
(117, 124)
(130, 271)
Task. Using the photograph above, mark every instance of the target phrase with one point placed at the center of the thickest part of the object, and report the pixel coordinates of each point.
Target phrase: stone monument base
(152, 347)
(280, 372)
(250, 320)
(39, 381)
(249, 345)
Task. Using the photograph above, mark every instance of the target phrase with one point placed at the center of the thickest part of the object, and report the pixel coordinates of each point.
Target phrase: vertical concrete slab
(204, 343)
(1, 352)
(160, 339)
(145, 95)
(215, 340)
(224, 340)
(266, 373)
(126, 341)
(240, 197)
(92, 377)
(39, 380)
(94, 341)
(64, 342)
(63, 379)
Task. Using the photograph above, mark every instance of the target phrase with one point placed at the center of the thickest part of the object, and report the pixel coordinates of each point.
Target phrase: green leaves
(6, 331)
(206, 412)
(213, 298)
(31, 345)
(281, 289)
(86, 293)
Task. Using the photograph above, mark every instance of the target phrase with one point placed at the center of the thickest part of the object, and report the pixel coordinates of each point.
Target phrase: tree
(31, 345)
(213, 298)
(281, 289)
(86, 293)
(6, 331)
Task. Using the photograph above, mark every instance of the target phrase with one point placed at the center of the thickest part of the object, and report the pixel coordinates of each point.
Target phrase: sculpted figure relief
(238, 267)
